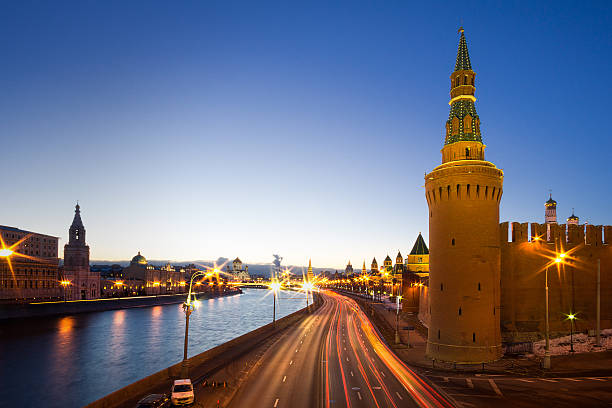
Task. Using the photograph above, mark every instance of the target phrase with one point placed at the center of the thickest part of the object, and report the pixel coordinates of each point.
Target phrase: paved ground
(575, 381)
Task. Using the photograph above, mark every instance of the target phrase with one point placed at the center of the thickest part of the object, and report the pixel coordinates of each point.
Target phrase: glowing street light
(275, 287)
(188, 307)
(546, 362)
(64, 283)
(397, 337)
(6, 252)
(571, 318)
(306, 287)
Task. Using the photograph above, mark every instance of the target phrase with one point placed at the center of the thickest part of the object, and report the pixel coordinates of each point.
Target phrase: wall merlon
(519, 232)
(557, 233)
(538, 231)
(503, 232)
(608, 234)
(575, 234)
(594, 235)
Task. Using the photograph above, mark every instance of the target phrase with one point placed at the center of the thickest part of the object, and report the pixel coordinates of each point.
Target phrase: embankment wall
(20, 311)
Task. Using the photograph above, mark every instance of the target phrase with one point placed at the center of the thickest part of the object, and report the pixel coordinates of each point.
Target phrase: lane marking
(352, 375)
(495, 388)
(398, 395)
(572, 379)
(275, 403)
(547, 380)
(284, 378)
(383, 373)
(596, 379)
(359, 395)
(529, 381)
(291, 362)
(376, 388)
(469, 382)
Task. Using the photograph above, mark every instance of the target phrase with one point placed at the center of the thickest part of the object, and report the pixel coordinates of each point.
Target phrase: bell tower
(84, 284)
(463, 195)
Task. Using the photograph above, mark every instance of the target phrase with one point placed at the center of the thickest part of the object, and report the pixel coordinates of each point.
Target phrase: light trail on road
(350, 317)
(343, 362)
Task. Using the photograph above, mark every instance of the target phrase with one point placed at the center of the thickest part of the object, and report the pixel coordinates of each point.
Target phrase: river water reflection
(69, 361)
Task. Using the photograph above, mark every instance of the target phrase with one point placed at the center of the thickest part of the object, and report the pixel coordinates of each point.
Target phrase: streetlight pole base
(185, 369)
(546, 361)
(397, 338)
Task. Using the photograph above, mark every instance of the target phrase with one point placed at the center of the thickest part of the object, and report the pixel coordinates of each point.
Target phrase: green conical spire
(463, 57)
(462, 100)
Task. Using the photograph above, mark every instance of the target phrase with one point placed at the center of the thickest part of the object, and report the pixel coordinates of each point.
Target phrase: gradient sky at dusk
(199, 130)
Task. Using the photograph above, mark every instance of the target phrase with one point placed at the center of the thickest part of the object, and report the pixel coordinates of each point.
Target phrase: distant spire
(309, 263)
(463, 56)
(76, 232)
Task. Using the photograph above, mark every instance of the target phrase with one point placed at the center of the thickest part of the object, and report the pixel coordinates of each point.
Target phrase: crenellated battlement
(570, 235)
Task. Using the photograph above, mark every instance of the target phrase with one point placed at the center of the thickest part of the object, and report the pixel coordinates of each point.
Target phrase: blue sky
(195, 130)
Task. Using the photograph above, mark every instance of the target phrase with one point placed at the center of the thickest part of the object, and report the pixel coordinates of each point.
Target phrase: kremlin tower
(309, 274)
(463, 195)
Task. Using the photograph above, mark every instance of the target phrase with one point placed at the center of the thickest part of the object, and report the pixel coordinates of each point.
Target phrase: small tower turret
(550, 213)
(573, 219)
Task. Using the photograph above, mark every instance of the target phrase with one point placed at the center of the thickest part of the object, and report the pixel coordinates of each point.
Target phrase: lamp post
(275, 287)
(397, 337)
(571, 318)
(64, 284)
(598, 311)
(546, 361)
(189, 307)
(307, 286)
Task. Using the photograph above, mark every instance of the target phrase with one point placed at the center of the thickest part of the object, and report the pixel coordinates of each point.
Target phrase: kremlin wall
(572, 284)
(485, 288)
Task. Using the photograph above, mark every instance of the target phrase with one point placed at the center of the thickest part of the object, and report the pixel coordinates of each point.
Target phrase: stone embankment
(20, 311)
(202, 364)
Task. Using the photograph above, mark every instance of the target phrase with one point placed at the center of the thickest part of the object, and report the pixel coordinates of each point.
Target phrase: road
(334, 358)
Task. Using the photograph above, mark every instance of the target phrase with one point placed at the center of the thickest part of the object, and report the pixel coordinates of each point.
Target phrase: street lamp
(397, 337)
(5, 252)
(571, 318)
(307, 286)
(64, 284)
(188, 307)
(275, 287)
(546, 361)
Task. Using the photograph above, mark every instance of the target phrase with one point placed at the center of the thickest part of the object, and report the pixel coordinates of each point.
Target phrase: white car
(182, 392)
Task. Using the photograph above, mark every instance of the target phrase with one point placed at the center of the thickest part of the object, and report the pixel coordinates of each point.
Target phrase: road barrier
(202, 364)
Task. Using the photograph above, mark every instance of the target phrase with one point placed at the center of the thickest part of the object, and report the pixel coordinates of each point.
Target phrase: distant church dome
(139, 259)
(551, 202)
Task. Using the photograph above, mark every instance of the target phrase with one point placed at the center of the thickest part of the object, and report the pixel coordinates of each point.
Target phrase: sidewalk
(580, 364)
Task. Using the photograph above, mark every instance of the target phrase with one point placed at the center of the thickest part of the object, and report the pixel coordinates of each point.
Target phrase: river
(70, 361)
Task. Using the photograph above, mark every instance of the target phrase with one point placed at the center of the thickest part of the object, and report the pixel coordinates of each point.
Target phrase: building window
(441, 287)
(474, 337)
(438, 334)
(459, 310)
(453, 242)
